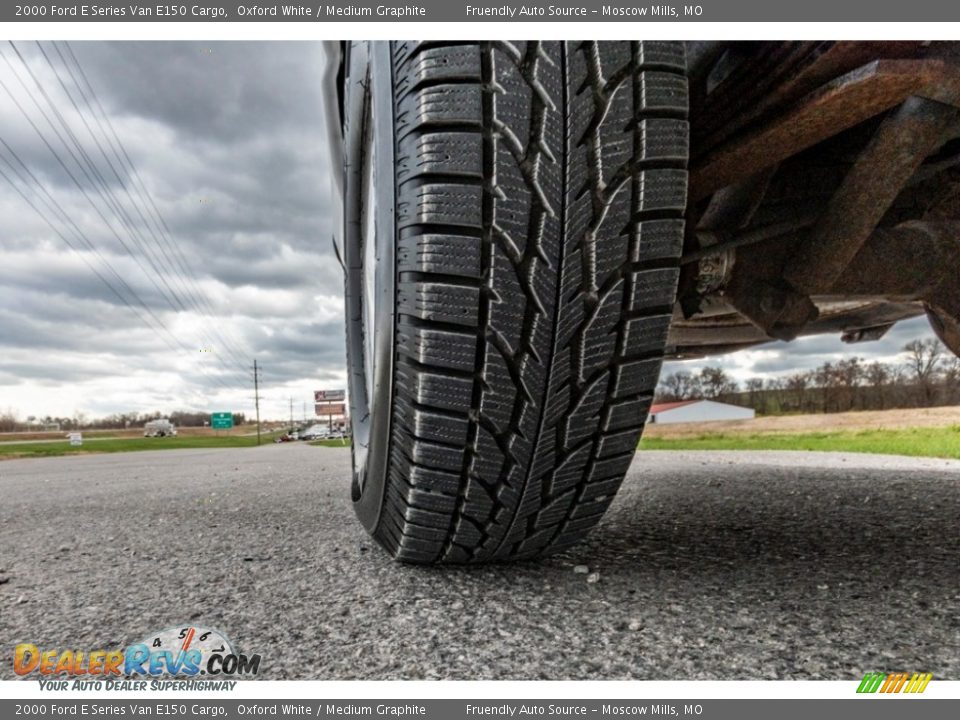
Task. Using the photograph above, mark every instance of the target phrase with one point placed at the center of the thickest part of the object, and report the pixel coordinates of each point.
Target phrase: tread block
(628, 413)
(456, 154)
(426, 518)
(435, 427)
(662, 190)
(657, 240)
(581, 422)
(645, 334)
(439, 105)
(618, 442)
(435, 456)
(663, 92)
(439, 302)
(665, 139)
(434, 480)
(440, 204)
(634, 378)
(610, 468)
(599, 336)
(441, 348)
(662, 53)
(441, 254)
(446, 392)
(652, 288)
(570, 471)
(436, 64)
(496, 402)
(431, 501)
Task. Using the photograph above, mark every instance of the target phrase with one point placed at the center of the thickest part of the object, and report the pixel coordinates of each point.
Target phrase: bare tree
(9, 421)
(951, 380)
(824, 377)
(754, 389)
(774, 394)
(797, 385)
(923, 361)
(848, 374)
(716, 383)
(677, 386)
(878, 377)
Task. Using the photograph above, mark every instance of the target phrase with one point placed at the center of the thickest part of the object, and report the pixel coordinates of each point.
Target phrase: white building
(691, 411)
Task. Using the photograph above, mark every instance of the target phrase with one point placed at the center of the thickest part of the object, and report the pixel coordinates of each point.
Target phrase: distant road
(709, 566)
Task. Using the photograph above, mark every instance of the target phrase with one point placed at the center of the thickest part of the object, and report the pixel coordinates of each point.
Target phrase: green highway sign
(221, 420)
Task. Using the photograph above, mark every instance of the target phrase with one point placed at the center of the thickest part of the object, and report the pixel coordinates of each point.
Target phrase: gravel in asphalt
(708, 566)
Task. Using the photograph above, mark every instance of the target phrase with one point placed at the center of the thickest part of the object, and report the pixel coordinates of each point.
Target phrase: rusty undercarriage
(824, 193)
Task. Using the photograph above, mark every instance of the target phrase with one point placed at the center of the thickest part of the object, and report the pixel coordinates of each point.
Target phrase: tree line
(11, 422)
(927, 376)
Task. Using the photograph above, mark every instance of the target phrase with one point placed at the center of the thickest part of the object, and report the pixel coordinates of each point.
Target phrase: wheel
(513, 225)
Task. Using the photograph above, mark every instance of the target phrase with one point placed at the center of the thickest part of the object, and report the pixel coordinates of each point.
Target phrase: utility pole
(291, 412)
(256, 395)
(304, 413)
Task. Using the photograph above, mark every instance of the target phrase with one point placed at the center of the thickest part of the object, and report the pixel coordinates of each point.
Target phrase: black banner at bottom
(874, 707)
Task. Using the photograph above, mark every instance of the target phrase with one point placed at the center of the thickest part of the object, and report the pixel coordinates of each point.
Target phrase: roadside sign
(76, 439)
(324, 409)
(329, 395)
(221, 420)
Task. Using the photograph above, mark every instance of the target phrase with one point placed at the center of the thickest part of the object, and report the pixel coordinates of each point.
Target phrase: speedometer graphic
(186, 650)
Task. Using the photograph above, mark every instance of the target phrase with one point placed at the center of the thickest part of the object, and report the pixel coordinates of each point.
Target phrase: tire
(524, 203)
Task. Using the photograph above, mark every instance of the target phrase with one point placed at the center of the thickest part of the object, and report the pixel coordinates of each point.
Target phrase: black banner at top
(616, 11)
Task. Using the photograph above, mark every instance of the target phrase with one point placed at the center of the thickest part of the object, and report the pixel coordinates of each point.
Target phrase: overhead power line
(154, 323)
(45, 205)
(100, 188)
(97, 111)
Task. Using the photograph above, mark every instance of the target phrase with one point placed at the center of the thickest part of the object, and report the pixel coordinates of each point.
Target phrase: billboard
(320, 396)
(324, 409)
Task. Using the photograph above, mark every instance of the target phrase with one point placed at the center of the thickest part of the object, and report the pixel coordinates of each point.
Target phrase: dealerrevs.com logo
(183, 652)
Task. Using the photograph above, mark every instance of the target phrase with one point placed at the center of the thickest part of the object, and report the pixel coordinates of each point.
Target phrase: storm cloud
(228, 141)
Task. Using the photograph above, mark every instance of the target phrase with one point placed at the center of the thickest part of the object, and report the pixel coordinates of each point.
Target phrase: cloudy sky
(227, 142)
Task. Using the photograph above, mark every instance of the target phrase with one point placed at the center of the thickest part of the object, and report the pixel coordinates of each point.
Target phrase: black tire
(532, 259)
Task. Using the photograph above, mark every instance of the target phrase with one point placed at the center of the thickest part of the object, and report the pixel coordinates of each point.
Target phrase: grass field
(330, 443)
(111, 445)
(933, 432)
(943, 442)
(135, 432)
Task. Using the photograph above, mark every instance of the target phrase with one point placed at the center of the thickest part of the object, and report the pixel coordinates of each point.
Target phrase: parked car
(315, 432)
(529, 229)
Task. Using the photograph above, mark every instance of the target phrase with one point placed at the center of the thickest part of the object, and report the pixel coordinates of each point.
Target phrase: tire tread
(540, 196)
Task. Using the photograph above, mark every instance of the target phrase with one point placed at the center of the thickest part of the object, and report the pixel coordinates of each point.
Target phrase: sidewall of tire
(369, 100)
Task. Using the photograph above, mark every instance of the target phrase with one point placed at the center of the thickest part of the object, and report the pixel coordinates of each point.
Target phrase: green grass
(330, 443)
(112, 445)
(942, 442)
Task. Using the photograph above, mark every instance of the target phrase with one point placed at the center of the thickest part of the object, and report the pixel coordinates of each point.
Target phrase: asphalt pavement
(708, 566)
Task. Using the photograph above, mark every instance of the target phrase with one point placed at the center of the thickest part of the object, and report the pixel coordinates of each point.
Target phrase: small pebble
(581, 569)
(593, 577)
